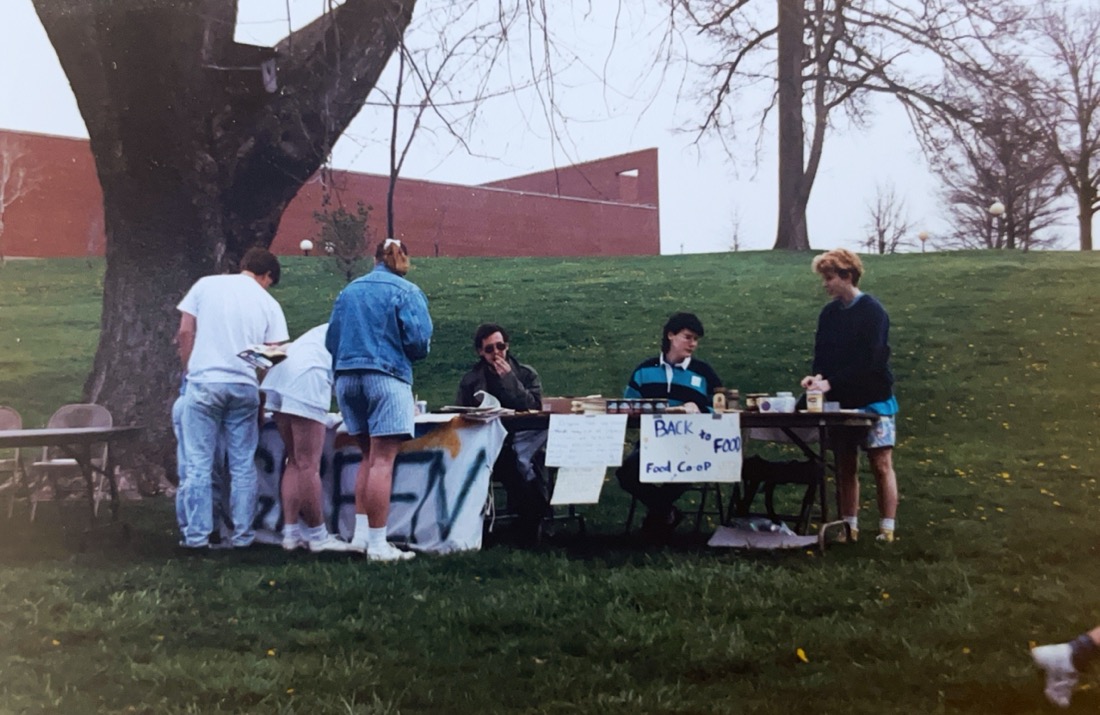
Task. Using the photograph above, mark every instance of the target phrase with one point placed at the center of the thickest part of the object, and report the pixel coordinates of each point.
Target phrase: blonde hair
(394, 254)
(841, 262)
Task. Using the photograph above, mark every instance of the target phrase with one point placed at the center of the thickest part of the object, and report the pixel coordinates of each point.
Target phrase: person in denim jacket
(378, 328)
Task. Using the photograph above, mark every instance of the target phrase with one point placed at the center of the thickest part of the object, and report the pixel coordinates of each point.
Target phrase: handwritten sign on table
(585, 440)
(578, 485)
(691, 448)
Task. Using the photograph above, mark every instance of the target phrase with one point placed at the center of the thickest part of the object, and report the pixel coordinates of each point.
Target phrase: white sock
(361, 534)
(377, 538)
(852, 521)
(886, 524)
(291, 531)
(316, 533)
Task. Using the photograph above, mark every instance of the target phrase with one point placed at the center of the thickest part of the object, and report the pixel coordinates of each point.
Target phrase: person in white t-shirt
(219, 317)
(299, 391)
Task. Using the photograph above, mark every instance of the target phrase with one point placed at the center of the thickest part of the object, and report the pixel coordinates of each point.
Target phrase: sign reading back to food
(691, 448)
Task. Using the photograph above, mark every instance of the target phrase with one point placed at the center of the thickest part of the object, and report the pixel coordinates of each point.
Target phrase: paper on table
(586, 440)
(485, 400)
(578, 485)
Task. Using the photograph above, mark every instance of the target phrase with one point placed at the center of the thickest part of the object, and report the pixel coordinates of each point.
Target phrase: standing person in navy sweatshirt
(852, 367)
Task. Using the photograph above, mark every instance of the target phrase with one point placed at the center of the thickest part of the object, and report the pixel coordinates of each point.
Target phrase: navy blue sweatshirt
(852, 352)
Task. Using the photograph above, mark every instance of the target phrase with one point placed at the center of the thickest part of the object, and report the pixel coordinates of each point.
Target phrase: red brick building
(605, 207)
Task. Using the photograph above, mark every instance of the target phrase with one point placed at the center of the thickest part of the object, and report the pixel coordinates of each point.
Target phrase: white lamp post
(306, 245)
(997, 211)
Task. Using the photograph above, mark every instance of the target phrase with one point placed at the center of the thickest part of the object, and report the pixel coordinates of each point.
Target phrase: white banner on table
(586, 440)
(440, 485)
(578, 485)
(691, 448)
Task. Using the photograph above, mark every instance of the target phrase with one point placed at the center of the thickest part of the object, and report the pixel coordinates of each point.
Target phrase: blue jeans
(219, 483)
(210, 413)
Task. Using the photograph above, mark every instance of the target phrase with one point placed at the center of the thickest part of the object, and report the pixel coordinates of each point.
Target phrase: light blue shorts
(883, 433)
(375, 404)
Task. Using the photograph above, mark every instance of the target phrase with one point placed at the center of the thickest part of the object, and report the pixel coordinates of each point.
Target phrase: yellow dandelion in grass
(271, 652)
(1005, 475)
(1056, 503)
(1040, 464)
(55, 642)
(1001, 509)
(290, 691)
(158, 638)
(801, 655)
(966, 650)
(885, 596)
(271, 582)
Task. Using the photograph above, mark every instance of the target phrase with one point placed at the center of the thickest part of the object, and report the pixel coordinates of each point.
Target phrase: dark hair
(261, 262)
(485, 330)
(676, 323)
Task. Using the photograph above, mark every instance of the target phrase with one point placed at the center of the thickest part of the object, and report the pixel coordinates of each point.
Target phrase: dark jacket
(852, 352)
(518, 390)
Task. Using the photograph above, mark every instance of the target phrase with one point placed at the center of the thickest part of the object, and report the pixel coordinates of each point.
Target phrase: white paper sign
(691, 448)
(586, 440)
(578, 485)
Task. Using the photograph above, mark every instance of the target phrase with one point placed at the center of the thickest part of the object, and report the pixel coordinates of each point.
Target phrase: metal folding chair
(13, 477)
(56, 475)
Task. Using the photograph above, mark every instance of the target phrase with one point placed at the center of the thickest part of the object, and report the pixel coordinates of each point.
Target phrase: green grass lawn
(998, 364)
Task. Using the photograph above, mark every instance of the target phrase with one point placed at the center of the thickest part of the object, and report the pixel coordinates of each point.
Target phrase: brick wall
(606, 207)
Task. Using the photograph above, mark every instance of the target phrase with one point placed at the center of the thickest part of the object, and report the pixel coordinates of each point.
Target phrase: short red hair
(841, 262)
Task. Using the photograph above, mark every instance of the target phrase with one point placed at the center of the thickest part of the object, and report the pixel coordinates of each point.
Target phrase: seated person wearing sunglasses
(519, 468)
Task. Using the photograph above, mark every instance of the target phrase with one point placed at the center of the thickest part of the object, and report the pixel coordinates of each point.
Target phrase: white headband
(388, 241)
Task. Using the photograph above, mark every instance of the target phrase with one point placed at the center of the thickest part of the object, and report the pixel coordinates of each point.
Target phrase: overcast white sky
(703, 192)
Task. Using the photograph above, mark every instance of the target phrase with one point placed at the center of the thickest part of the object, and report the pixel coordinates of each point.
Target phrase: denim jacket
(380, 322)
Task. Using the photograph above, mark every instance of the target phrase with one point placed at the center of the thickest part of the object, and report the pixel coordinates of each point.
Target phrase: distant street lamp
(923, 236)
(306, 245)
(997, 211)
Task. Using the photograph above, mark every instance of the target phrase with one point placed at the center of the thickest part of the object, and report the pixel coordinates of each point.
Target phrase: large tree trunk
(791, 233)
(1086, 200)
(197, 160)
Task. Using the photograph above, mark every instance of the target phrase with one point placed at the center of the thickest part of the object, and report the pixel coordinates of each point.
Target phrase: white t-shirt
(232, 312)
(302, 383)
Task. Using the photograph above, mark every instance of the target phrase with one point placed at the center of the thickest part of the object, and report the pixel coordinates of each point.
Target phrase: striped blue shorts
(375, 404)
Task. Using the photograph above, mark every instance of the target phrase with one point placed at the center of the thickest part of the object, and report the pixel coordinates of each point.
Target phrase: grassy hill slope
(997, 358)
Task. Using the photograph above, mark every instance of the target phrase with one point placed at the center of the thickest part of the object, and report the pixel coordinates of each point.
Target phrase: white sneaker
(329, 543)
(388, 553)
(292, 543)
(1057, 662)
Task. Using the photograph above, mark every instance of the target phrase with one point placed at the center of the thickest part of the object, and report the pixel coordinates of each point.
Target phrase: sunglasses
(498, 348)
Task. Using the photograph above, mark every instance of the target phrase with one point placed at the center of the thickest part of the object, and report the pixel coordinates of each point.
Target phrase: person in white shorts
(299, 392)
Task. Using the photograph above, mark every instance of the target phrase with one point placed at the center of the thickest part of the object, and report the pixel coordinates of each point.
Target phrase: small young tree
(15, 180)
(888, 223)
(346, 237)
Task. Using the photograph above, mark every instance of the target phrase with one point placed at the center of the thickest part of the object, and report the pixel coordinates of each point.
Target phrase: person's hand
(809, 381)
(500, 364)
(691, 408)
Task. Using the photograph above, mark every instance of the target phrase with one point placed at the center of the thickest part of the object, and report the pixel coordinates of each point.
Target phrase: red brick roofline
(626, 178)
(570, 211)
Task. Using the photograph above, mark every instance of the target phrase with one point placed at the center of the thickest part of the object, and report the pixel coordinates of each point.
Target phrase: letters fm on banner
(691, 448)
